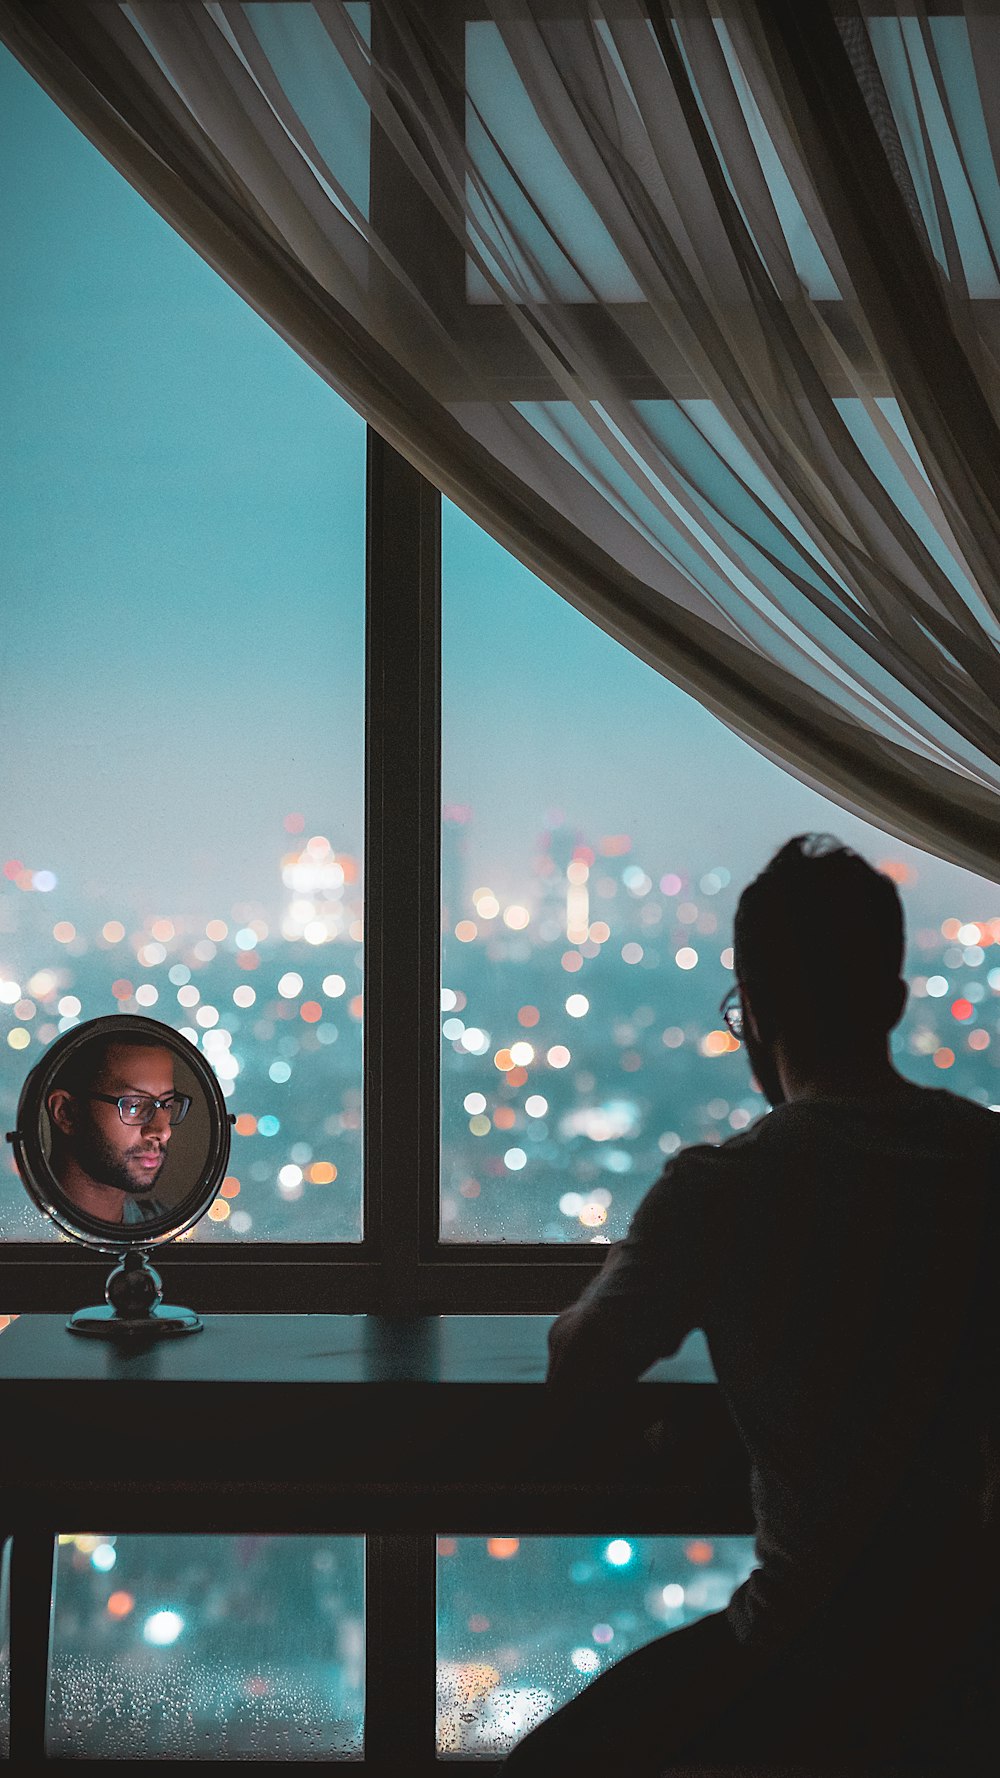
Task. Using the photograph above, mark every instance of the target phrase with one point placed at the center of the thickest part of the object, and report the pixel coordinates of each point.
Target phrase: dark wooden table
(338, 1424)
(353, 1423)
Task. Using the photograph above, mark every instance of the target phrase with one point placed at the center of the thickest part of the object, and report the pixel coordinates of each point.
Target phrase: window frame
(401, 1266)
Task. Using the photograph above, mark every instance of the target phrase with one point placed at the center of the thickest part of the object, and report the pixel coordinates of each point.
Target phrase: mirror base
(163, 1320)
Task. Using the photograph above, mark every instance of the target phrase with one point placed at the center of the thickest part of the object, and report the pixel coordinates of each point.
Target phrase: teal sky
(182, 553)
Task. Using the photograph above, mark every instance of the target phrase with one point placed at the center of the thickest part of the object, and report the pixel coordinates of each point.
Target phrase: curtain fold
(695, 309)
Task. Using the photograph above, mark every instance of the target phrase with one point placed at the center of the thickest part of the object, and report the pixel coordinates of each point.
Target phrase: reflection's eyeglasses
(141, 1108)
(731, 1009)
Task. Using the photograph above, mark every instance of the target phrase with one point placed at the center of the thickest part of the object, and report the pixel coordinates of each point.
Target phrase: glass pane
(524, 1623)
(938, 109)
(182, 700)
(541, 198)
(207, 1648)
(598, 828)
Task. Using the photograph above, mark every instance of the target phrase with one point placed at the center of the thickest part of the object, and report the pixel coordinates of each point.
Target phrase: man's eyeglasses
(732, 1013)
(141, 1108)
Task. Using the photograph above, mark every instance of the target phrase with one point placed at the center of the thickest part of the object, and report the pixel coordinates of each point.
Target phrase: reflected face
(126, 1157)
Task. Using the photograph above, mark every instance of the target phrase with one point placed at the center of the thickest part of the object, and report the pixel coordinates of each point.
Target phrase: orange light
(961, 1008)
(470, 1188)
(357, 1006)
(600, 932)
(113, 931)
(230, 1187)
(311, 1011)
(897, 869)
(716, 1043)
(322, 1172)
(64, 932)
(528, 1016)
(699, 1551)
(121, 989)
(944, 1058)
(593, 1216)
(5, 1321)
(615, 845)
(517, 1077)
(245, 1124)
(503, 1060)
(163, 931)
(572, 961)
(466, 931)
(218, 1211)
(503, 1119)
(949, 928)
(446, 1546)
(502, 1548)
(979, 1040)
(216, 930)
(248, 959)
(120, 1604)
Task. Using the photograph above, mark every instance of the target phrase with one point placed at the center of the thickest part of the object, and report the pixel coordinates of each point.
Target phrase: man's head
(818, 950)
(106, 1125)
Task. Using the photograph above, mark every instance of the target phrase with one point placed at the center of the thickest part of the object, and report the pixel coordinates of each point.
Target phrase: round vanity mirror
(122, 1139)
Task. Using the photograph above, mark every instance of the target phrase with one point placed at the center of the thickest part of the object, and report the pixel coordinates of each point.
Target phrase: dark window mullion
(403, 819)
(400, 1631)
(32, 1583)
(402, 909)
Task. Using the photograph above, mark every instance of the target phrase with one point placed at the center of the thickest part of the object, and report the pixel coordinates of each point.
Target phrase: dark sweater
(842, 1258)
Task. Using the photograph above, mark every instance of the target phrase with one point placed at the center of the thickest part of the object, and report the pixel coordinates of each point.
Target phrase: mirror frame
(36, 1174)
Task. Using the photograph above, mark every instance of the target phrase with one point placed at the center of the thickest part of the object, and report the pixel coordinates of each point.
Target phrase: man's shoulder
(703, 1168)
(733, 1155)
(927, 1117)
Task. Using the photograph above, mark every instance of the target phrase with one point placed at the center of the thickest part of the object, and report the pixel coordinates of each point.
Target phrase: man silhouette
(842, 1257)
(111, 1116)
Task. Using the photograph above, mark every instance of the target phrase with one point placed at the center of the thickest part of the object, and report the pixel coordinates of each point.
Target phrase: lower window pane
(525, 1623)
(207, 1648)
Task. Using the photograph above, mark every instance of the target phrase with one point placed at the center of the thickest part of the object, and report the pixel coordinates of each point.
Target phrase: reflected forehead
(129, 1069)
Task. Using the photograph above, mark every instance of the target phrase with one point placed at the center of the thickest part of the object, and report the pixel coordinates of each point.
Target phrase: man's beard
(110, 1166)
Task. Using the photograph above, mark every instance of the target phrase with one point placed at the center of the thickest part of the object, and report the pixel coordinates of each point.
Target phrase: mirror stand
(134, 1307)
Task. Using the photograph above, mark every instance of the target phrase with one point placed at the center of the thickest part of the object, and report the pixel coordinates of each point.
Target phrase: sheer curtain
(694, 307)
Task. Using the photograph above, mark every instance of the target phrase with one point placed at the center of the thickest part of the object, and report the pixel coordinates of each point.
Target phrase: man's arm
(591, 1343)
(649, 1294)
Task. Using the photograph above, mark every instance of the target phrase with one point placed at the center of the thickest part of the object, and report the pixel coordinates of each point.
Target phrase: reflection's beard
(120, 1168)
(762, 1063)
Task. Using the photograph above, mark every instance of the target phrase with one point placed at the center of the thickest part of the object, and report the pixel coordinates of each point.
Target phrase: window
(525, 1622)
(212, 763)
(183, 693)
(221, 496)
(589, 884)
(207, 1648)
